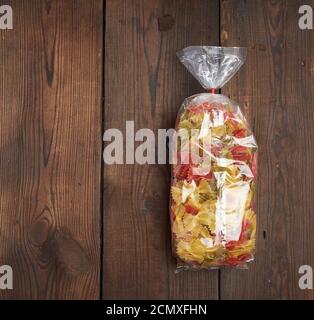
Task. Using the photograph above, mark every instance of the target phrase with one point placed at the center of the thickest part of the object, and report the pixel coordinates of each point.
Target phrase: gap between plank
(102, 126)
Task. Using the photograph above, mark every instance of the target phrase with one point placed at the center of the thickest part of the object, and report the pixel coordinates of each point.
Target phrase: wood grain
(275, 89)
(50, 145)
(145, 82)
(50, 149)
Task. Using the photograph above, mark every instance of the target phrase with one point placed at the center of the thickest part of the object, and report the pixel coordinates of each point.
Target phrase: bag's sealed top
(213, 67)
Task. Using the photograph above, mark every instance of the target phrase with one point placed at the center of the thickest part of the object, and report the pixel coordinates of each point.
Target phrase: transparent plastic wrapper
(212, 213)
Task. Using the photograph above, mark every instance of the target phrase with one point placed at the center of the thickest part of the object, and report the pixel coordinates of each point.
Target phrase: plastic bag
(212, 211)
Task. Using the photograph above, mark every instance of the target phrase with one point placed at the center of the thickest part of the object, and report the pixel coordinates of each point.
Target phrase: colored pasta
(212, 211)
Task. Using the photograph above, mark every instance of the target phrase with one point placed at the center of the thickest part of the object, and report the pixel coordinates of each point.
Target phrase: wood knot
(264, 234)
(151, 205)
(165, 23)
(39, 232)
(70, 254)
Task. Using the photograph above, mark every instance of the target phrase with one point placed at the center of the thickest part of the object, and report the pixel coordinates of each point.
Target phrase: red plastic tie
(212, 90)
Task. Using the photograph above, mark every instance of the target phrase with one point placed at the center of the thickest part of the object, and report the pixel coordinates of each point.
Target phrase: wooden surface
(275, 89)
(145, 82)
(50, 138)
(74, 228)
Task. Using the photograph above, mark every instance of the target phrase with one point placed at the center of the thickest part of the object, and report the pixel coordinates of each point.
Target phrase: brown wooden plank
(275, 89)
(50, 149)
(145, 82)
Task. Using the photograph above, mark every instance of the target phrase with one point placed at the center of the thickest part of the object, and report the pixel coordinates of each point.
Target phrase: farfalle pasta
(213, 219)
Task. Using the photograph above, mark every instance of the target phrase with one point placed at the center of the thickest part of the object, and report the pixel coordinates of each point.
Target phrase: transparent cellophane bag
(213, 218)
